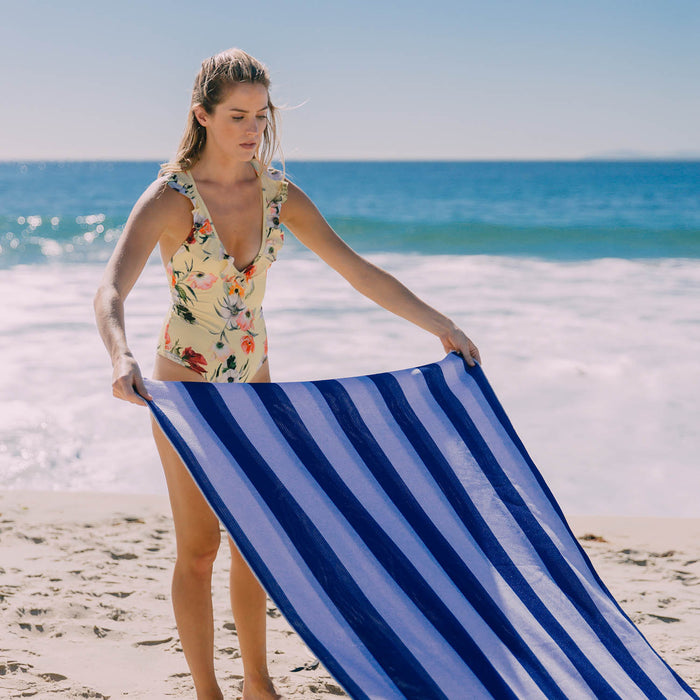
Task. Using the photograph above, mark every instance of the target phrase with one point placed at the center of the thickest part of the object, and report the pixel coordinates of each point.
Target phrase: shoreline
(85, 594)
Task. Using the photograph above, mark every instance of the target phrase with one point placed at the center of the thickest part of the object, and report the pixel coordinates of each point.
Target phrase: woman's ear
(200, 114)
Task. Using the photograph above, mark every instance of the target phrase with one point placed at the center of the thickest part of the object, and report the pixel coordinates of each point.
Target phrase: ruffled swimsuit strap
(182, 182)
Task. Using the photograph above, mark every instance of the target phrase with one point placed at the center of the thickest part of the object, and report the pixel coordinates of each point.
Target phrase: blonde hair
(216, 77)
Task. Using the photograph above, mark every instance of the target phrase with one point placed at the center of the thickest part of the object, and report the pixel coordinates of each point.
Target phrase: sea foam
(594, 361)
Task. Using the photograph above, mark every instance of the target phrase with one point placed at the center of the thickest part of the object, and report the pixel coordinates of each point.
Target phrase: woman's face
(236, 126)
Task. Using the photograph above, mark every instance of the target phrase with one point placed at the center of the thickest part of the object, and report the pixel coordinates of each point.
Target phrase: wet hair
(217, 76)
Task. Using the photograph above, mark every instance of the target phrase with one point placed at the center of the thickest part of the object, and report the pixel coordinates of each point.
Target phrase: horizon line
(690, 158)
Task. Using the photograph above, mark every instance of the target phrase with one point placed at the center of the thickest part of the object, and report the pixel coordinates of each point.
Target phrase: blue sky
(363, 79)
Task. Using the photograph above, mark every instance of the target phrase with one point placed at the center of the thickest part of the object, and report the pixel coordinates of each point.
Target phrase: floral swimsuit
(215, 325)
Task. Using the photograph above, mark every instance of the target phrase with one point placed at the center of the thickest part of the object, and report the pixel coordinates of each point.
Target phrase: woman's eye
(262, 116)
(236, 119)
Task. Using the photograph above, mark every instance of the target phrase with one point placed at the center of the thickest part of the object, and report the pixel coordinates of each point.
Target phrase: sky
(360, 79)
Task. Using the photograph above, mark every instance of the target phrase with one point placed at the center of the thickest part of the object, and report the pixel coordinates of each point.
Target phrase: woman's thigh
(196, 527)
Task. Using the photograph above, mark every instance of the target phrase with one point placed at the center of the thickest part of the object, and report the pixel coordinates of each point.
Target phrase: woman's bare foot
(260, 690)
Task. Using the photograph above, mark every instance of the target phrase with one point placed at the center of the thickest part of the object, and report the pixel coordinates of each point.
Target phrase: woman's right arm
(154, 213)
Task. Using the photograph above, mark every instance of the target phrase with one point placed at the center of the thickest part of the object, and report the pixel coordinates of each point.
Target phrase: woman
(205, 213)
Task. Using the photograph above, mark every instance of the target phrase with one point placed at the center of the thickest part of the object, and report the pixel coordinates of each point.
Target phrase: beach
(578, 282)
(85, 601)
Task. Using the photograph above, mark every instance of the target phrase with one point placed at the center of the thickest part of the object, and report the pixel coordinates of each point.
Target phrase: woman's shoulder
(163, 198)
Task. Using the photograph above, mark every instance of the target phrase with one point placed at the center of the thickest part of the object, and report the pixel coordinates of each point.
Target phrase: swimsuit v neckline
(205, 210)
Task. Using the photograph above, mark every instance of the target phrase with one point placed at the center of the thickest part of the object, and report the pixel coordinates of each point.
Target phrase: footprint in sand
(231, 651)
(12, 667)
(308, 666)
(28, 627)
(125, 555)
(664, 618)
(331, 688)
(153, 642)
(52, 677)
(35, 540)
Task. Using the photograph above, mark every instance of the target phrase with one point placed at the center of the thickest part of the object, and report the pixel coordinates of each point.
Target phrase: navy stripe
(399, 566)
(256, 563)
(459, 499)
(376, 634)
(556, 565)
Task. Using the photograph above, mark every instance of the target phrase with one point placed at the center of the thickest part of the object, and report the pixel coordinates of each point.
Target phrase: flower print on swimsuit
(183, 295)
(171, 274)
(201, 280)
(184, 313)
(229, 375)
(166, 337)
(228, 309)
(272, 219)
(194, 360)
(233, 286)
(245, 320)
(228, 369)
(187, 356)
(221, 350)
(248, 344)
(203, 226)
(274, 235)
(183, 188)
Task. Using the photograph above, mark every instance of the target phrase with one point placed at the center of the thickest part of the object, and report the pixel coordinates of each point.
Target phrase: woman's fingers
(140, 388)
(458, 342)
(128, 383)
(124, 388)
(474, 352)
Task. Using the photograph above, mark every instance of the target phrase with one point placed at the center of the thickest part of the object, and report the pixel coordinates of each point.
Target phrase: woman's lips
(248, 145)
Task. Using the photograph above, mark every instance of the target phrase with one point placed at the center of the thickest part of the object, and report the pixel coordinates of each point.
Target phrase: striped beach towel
(400, 526)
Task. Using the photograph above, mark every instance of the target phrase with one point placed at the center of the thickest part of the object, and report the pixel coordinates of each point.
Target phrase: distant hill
(629, 154)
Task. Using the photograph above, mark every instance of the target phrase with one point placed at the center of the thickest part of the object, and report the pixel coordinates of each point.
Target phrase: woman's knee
(197, 556)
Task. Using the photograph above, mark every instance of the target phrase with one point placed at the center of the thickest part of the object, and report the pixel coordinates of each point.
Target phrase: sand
(85, 606)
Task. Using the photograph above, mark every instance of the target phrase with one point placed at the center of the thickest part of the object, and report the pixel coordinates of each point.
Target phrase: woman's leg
(198, 537)
(249, 604)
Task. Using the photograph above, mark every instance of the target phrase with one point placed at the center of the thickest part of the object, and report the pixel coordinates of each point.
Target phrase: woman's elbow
(105, 296)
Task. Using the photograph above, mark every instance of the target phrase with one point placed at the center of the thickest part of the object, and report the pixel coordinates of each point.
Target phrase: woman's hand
(456, 340)
(127, 381)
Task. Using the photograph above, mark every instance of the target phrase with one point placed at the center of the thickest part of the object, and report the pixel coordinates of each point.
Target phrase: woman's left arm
(302, 217)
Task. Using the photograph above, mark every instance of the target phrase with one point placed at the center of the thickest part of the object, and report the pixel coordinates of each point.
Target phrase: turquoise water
(579, 282)
(552, 210)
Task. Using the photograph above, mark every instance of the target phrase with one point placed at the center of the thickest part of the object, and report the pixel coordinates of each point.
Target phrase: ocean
(579, 282)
